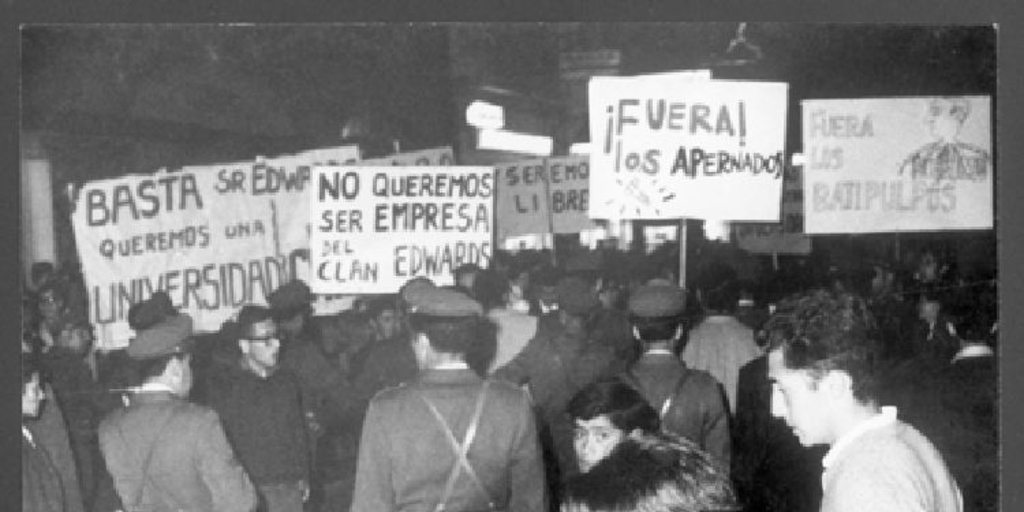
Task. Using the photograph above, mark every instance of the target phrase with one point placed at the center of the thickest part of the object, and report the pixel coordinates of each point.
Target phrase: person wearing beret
(262, 415)
(448, 440)
(557, 365)
(163, 452)
(689, 402)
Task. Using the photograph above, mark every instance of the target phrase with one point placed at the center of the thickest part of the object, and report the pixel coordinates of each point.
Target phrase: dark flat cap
(575, 296)
(657, 300)
(146, 314)
(170, 336)
(292, 296)
(446, 303)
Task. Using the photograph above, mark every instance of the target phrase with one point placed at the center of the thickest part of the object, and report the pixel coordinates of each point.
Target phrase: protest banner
(786, 236)
(373, 229)
(211, 250)
(543, 195)
(669, 146)
(433, 156)
(214, 237)
(898, 164)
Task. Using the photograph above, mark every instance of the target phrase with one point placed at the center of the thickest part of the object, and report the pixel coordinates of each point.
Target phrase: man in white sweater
(820, 364)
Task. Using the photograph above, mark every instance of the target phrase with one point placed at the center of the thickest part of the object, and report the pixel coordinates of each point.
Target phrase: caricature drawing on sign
(947, 158)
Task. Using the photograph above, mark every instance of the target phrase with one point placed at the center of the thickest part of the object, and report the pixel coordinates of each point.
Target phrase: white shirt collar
(453, 365)
(659, 351)
(885, 418)
(973, 351)
(151, 387)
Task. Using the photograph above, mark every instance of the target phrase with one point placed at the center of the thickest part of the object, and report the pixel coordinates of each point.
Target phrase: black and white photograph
(535, 266)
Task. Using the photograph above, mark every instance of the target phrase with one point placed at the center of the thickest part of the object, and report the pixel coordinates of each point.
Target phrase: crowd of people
(591, 385)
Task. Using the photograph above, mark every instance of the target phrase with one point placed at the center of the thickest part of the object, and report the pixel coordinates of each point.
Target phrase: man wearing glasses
(261, 411)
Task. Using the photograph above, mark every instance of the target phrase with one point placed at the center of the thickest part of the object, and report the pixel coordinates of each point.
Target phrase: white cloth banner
(214, 237)
(898, 164)
(374, 229)
(530, 190)
(670, 146)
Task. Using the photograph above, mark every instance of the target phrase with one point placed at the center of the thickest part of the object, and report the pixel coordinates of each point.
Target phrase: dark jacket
(190, 464)
(41, 487)
(697, 409)
(263, 422)
(405, 458)
(50, 431)
(772, 471)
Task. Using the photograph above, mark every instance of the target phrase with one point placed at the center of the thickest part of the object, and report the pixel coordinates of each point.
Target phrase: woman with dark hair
(41, 486)
(604, 413)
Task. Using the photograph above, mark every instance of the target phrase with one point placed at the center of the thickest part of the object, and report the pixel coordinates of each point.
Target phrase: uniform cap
(657, 301)
(575, 296)
(292, 296)
(170, 336)
(413, 290)
(445, 303)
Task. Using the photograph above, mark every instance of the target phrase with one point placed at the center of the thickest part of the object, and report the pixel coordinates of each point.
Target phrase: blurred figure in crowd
(419, 439)
(690, 402)
(824, 385)
(720, 344)
(557, 366)
(261, 412)
(652, 474)
(163, 452)
(933, 335)
(605, 413)
(610, 323)
(42, 488)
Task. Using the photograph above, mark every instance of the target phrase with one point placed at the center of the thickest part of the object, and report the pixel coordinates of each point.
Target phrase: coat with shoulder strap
(689, 402)
(166, 454)
(406, 456)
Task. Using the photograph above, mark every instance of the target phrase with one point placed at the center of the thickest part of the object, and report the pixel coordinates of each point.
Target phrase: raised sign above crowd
(669, 146)
(374, 229)
(543, 196)
(898, 164)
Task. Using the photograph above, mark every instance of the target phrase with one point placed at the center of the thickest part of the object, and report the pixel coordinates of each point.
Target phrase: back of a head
(625, 407)
(652, 474)
(826, 330)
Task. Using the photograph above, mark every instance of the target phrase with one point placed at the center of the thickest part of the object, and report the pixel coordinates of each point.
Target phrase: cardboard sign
(785, 237)
(541, 195)
(670, 146)
(374, 229)
(898, 164)
(432, 157)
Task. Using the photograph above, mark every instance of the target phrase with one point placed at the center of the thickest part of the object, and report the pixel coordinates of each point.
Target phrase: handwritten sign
(670, 146)
(898, 164)
(373, 229)
(785, 237)
(532, 190)
(434, 156)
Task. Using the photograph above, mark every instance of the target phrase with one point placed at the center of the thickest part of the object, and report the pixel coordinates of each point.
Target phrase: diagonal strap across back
(461, 450)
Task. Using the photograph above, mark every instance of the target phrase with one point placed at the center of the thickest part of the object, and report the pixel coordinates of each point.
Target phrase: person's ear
(243, 346)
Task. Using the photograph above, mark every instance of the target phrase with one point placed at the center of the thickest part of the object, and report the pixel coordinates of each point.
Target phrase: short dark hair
(660, 328)
(825, 330)
(625, 407)
(455, 335)
(655, 474)
(251, 315)
(378, 305)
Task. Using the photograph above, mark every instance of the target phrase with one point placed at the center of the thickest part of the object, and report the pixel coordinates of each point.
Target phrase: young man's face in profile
(798, 401)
